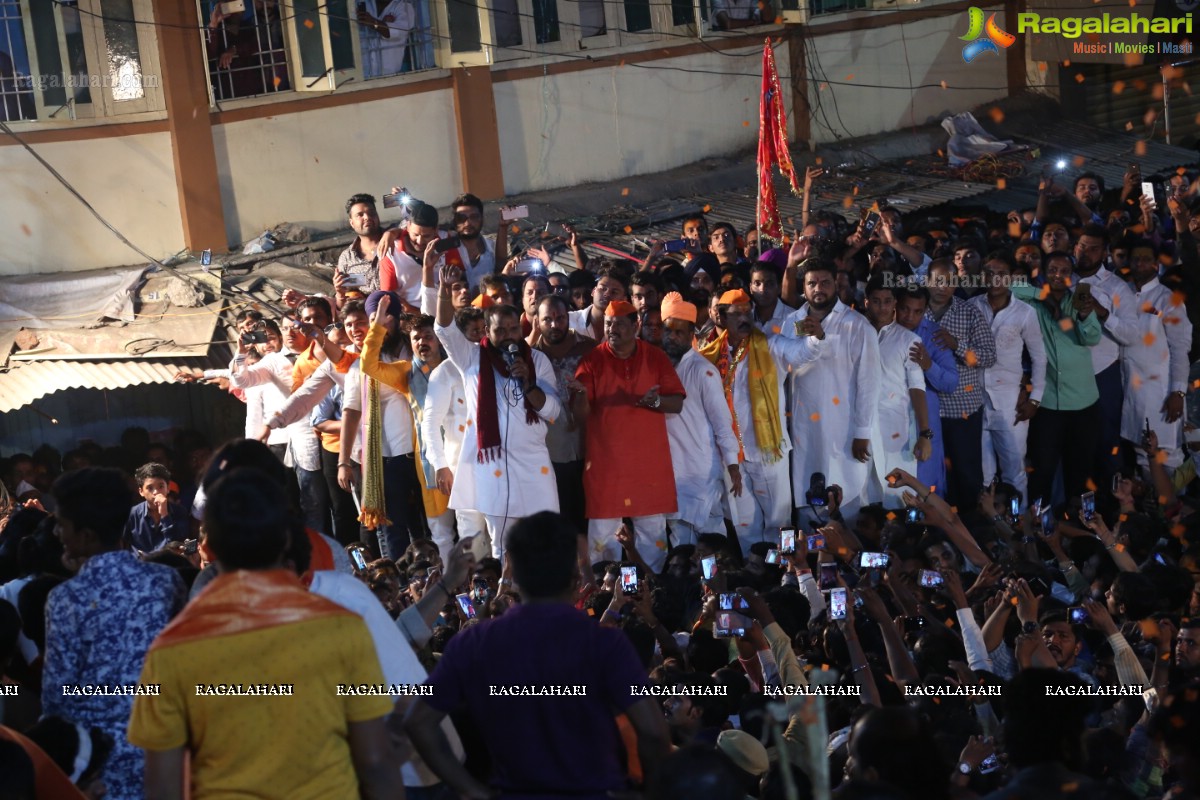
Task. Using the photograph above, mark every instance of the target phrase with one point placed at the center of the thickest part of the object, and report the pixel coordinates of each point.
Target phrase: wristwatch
(1029, 627)
(964, 768)
(657, 401)
(927, 434)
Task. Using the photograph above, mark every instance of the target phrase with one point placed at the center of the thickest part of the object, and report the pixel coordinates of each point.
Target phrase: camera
(254, 337)
(815, 496)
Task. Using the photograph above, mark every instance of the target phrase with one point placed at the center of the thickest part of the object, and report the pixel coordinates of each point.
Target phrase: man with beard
(404, 250)
(753, 366)
(905, 437)
(564, 437)
(361, 258)
(324, 387)
(941, 375)
(1155, 367)
(610, 285)
(834, 397)
(443, 423)
(504, 468)
(1187, 651)
(964, 333)
(1117, 312)
(623, 389)
(411, 379)
(393, 436)
(533, 286)
(477, 253)
(701, 434)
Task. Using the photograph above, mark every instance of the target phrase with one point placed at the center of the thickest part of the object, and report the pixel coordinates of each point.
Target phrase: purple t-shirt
(563, 745)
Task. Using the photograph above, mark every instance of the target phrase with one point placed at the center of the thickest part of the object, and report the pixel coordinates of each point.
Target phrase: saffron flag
(772, 148)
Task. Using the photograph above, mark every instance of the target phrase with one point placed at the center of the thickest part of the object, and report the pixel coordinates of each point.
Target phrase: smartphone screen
(837, 603)
(931, 578)
(828, 578)
(391, 200)
(1078, 615)
(913, 515)
(772, 556)
(730, 623)
(356, 556)
(1047, 523)
(708, 567)
(1148, 189)
(873, 560)
(787, 540)
(1088, 502)
(816, 542)
(731, 601)
(629, 580)
(464, 602)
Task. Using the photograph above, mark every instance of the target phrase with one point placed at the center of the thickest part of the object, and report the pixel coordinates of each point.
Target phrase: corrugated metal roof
(26, 382)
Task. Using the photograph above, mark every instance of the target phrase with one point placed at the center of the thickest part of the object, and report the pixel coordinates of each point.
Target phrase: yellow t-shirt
(263, 746)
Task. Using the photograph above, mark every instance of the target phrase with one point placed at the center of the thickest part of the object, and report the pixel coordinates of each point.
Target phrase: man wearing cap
(504, 470)
(752, 366)
(701, 435)
(835, 397)
(623, 388)
(404, 250)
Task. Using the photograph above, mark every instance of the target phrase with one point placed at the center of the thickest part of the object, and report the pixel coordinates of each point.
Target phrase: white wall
(611, 122)
(301, 167)
(130, 180)
(914, 54)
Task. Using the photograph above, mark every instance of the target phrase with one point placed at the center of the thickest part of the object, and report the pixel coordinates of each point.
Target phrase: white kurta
(386, 56)
(521, 481)
(834, 400)
(702, 440)
(897, 419)
(1015, 329)
(274, 374)
(445, 417)
(1120, 329)
(1155, 365)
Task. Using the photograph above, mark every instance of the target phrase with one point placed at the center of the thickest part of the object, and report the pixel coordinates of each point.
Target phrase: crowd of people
(902, 508)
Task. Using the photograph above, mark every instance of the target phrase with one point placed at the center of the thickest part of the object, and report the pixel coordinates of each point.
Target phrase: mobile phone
(254, 337)
(527, 265)
(772, 556)
(869, 560)
(1146, 434)
(1047, 523)
(1036, 508)
(1157, 557)
(829, 575)
(510, 213)
(356, 555)
(1116, 482)
(931, 578)
(708, 567)
(816, 542)
(233, 7)
(1077, 615)
(395, 199)
(913, 624)
(871, 222)
(730, 623)
(191, 546)
(354, 280)
(787, 540)
(989, 764)
(815, 496)
(1014, 507)
(837, 603)
(206, 258)
(481, 591)
(731, 601)
(1084, 290)
(464, 602)
(675, 246)
(914, 515)
(1088, 502)
(1148, 189)
(629, 580)
(449, 243)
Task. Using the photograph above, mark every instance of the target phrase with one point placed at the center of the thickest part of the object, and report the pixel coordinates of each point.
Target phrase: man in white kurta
(765, 503)
(443, 426)
(1007, 406)
(834, 399)
(1155, 367)
(901, 389)
(701, 435)
(517, 479)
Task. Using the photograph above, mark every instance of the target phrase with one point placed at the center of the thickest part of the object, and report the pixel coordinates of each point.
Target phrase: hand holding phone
(837, 603)
(708, 567)
(787, 540)
(629, 580)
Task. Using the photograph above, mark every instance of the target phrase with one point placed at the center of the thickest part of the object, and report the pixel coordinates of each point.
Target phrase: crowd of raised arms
(903, 508)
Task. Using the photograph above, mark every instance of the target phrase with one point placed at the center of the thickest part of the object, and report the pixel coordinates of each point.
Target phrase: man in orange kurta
(623, 389)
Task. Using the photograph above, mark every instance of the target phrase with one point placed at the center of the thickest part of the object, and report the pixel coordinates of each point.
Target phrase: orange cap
(483, 301)
(619, 308)
(734, 297)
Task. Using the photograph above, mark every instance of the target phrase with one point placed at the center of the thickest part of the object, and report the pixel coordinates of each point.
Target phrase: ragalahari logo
(995, 39)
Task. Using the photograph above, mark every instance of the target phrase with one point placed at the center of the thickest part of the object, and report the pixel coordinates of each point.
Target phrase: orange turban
(619, 308)
(734, 297)
(675, 307)
(483, 301)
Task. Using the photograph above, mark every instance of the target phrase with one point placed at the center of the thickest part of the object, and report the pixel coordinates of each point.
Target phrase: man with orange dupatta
(753, 367)
(249, 674)
(624, 389)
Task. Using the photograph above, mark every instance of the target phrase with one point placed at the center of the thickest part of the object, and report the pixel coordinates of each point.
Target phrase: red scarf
(488, 422)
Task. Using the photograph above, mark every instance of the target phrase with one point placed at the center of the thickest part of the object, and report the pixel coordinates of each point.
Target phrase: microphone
(510, 353)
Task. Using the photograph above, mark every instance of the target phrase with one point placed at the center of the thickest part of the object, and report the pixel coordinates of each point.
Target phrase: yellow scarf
(764, 388)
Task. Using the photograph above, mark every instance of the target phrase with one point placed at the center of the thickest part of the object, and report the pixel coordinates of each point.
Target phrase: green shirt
(1070, 380)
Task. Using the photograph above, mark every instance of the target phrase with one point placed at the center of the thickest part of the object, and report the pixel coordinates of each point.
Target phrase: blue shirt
(146, 535)
(99, 626)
